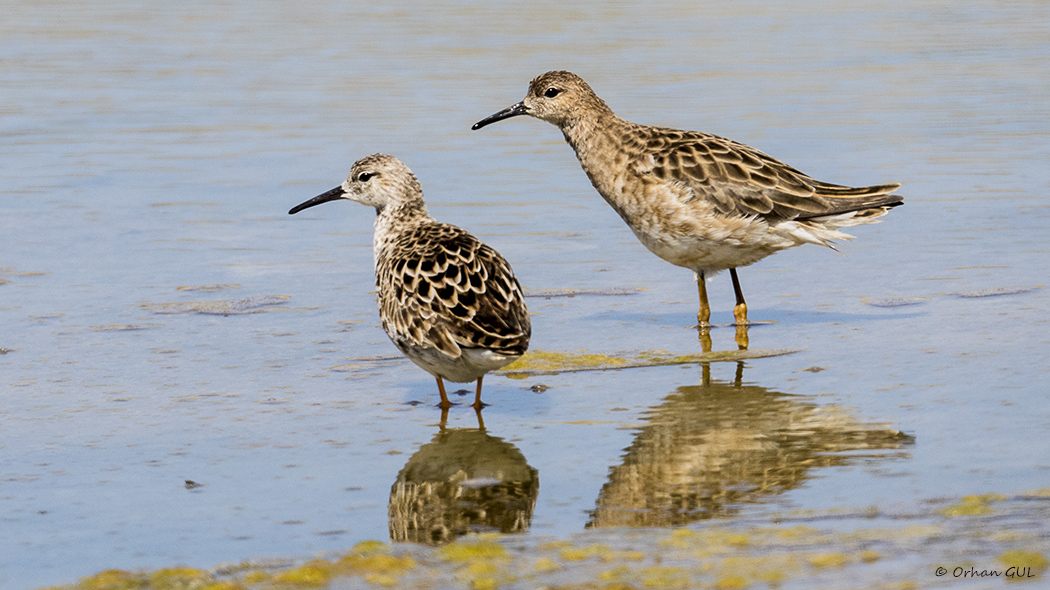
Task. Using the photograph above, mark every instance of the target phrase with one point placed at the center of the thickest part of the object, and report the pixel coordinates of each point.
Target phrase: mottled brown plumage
(697, 200)
(450, 303)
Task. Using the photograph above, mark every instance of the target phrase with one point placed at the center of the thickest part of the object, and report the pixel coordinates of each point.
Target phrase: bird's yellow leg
(740, 310)
(705, 339)
(741, 336)
(445, 404)
(703, 317)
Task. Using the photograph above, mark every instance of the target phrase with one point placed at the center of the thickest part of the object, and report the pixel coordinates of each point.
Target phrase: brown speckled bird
(696, 200)
(450, 303)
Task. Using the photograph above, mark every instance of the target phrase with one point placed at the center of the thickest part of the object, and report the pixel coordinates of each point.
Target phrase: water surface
(164, 321)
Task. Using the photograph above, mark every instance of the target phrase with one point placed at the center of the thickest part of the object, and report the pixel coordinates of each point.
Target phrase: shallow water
(165, 321)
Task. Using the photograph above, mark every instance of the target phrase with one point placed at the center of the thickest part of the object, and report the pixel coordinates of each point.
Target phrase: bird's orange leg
(477, 396)
(445, 404)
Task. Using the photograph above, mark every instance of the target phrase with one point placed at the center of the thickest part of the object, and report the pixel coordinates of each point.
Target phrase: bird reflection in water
(709, 449)
(741, 336)
(463, 481)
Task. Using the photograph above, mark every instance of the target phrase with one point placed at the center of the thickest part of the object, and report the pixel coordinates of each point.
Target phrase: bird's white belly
(470, 365)
(711, 244)
(688, 232)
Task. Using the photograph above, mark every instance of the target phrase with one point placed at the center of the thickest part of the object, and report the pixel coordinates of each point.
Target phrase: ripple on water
(995, 291)
(247, 305)
(209, 288)
(895, 301)
(611, 291)
(125, 327)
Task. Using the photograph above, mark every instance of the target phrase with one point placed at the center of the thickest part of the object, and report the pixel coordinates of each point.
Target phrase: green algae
(473, 548)
(541, 362)
(810, 549)
(224, 585)
(546, 564)
(972, 505)
(662, 576)
(732, 583)
(870, 556)
(316, 573)
(369, 546)
(484, 575)
(1034, 561)
(254, 577)
(546, 362)
(828, 560)
(180, 578)
(114, 580)
(602, 552)
(381, 564)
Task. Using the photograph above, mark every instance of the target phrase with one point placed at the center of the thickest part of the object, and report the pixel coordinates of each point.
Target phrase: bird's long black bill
(512, 111)
(335, 193)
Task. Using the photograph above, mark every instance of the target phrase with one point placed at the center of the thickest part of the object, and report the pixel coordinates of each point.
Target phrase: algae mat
(976, 541)
(546, 362)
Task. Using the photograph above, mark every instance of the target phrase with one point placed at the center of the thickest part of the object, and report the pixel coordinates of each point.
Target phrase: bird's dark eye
(365, 176)
(551, 92)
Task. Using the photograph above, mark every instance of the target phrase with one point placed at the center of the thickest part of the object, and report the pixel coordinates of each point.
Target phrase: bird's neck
(403, 212)
(589, 127)
(598, 141)
(393, 220)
